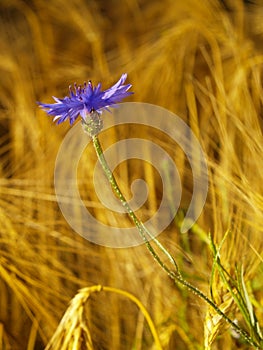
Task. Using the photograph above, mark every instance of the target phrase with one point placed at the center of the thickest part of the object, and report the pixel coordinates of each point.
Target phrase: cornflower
(84, 101)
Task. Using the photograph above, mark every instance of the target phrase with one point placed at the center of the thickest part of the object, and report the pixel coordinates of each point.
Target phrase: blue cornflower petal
(86, 99)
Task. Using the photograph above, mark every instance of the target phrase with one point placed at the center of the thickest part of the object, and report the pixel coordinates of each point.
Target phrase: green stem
(144, 232)
(141, 228)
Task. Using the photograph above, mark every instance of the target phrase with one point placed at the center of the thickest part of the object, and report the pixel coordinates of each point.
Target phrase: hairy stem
(144, 232)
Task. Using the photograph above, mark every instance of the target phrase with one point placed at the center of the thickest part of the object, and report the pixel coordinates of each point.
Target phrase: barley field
(201, 60)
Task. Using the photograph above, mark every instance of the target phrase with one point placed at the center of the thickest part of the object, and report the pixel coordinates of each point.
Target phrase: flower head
(84, 100)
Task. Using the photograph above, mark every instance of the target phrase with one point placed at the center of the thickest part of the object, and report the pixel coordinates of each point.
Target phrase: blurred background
(199, 59)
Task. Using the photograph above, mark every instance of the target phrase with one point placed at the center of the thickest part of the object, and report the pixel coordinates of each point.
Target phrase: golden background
(201, 60)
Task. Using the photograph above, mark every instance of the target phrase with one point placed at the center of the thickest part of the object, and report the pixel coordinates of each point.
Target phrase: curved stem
(141, 307)
(144, 232)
